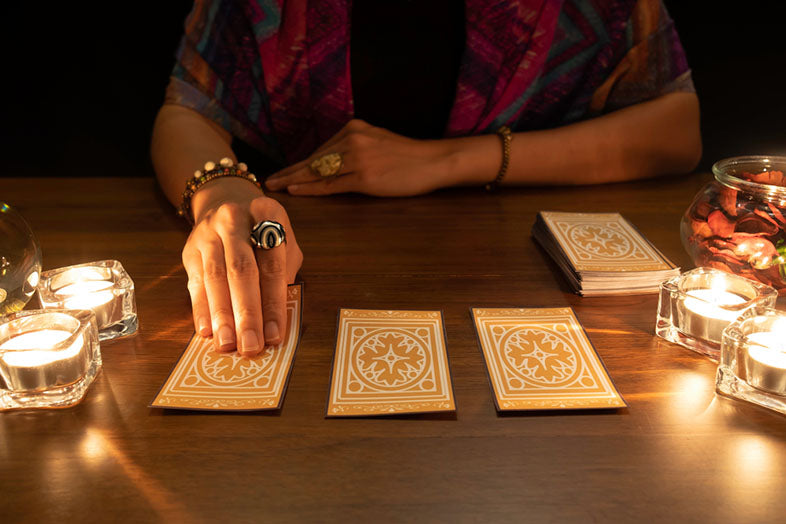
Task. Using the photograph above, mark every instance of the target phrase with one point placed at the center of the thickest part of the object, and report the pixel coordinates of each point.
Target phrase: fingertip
(293, 188)
(222, 349)
(225, 339)
(272, 333)
(251, 354)
(203, 327)
(249, 343)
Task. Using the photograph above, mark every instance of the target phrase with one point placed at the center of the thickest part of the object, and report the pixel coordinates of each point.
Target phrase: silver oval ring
(267, 234)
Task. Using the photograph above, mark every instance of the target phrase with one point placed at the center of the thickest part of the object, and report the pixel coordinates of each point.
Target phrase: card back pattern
(389, 362)
(540, 359)
(204, 379)
(603, 242)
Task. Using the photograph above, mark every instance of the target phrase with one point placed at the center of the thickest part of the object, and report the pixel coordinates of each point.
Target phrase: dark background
(83, 83)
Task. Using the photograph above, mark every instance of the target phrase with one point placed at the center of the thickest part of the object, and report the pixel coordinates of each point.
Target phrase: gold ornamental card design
(603, 242)
(389, 362)
(541, 359)
(205, 379)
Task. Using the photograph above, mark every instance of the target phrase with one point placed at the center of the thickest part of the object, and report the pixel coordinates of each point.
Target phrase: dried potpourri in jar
(737, 222)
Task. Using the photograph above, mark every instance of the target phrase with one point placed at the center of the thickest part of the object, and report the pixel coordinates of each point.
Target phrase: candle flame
(86, 273)
(718, 287)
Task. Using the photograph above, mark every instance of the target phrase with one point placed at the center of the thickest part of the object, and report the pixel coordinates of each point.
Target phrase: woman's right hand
(238, 293)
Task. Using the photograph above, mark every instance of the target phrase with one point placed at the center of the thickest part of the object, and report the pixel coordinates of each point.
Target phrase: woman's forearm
(183, 140)
(657, 137)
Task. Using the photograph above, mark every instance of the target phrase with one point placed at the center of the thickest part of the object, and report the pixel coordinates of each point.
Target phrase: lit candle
(103, 287)
(33, 361)
(709, 311)
(97, 295)
(48, 358)
(765, 361)
(90, 294)
(710, 303)
(44, 338)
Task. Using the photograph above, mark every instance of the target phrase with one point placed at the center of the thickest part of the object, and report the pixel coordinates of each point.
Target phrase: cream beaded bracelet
(211, 171)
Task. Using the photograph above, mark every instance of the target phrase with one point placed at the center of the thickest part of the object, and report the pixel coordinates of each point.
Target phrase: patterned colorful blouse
(276, 73)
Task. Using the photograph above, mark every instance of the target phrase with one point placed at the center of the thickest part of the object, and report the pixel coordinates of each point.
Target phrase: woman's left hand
(375, 162)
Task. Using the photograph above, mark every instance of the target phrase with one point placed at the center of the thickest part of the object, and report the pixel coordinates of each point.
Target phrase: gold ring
(327, 165)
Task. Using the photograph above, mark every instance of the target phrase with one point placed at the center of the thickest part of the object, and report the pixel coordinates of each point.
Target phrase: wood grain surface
(679, 453)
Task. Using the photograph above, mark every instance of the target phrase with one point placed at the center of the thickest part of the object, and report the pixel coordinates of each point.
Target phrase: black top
(404, 62)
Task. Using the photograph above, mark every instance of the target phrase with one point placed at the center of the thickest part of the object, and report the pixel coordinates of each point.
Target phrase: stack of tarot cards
(602, 253)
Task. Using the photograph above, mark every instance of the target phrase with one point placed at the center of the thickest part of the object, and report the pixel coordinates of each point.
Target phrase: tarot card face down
(603, 242)
(541, 359)
(204, 379)
(389, 362)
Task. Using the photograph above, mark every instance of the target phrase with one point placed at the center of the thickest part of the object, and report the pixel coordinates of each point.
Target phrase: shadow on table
(562, 412)
(164, 412)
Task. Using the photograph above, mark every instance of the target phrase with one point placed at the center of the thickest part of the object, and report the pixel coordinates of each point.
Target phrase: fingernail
(249, 341)
(226, 336)
(292, 187)
(272, 336)
(204, 327)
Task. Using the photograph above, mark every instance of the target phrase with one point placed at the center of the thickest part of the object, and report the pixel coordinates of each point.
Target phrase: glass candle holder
(695, 307)
(753, 360)
(103, 287)
(48, 358)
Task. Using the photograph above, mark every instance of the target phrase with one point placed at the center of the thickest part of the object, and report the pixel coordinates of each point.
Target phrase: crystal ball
(20, 260)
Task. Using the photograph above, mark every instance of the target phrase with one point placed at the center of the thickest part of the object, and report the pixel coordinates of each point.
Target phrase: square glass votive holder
(48, 358)
(695, 307)
(753, 360)
(103, 287)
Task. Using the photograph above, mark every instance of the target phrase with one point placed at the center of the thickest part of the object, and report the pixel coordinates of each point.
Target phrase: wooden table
(678, 453)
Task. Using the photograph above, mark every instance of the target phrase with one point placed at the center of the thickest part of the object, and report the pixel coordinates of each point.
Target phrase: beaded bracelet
(507, 137)
(225, 168)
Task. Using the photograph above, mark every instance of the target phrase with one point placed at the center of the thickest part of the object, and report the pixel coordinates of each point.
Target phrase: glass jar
(20, 261)
(736, 222)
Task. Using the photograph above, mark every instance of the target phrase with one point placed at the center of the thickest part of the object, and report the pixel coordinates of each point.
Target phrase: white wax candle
(702, 314)
(39, 339)
(708, 302)
(765, 362)
(768, 348)
(28, 362)
(88, 294)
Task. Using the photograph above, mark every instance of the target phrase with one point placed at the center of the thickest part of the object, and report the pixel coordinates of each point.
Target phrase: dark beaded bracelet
(506, 136)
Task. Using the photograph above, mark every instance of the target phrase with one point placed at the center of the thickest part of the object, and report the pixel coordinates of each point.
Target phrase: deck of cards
(602, 253)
